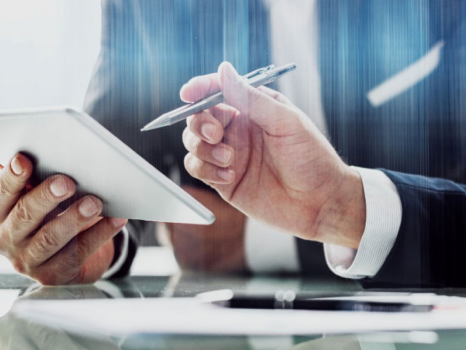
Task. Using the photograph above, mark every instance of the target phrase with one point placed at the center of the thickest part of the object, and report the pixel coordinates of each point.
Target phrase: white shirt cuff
(269, 250)
(383, 220)
(122, 258)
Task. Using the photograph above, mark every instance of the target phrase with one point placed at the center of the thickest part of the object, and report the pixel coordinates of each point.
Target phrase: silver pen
(259, 77)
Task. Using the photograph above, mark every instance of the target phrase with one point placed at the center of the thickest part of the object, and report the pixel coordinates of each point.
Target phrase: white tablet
(65, 141)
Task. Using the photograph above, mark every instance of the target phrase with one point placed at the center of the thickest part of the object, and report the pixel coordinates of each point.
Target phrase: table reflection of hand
(63, 292)
(267, 159)
(17, 333)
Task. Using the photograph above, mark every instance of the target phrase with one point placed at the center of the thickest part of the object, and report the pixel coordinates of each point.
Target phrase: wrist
(342, 219)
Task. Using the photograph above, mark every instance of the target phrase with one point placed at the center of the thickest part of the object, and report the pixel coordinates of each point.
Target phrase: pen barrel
(263, 79)
(197, 107)
(255, 79)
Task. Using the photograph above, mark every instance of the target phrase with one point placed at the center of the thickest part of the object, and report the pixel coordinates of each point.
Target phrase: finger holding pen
(284, 171)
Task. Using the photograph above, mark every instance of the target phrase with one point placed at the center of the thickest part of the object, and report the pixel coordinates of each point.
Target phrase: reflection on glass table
(17, 333)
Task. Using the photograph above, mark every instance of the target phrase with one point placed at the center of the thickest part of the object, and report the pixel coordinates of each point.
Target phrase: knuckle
(281, 98)
(194, 125)
(82, 251)
(277, 96)
(22, 213)
(47, 241)
(189, 121)
(203, 171)
(185, 137)
(195, 145)
(24, 260)
(254, 96)
(6, 242)
(192, 166)
(6, 187)
(188, 161)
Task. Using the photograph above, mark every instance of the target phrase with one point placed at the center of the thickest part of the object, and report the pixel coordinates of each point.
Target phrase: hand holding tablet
(81, 167)
(74, 247)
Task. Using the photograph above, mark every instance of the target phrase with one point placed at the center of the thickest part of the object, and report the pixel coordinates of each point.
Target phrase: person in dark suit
(420, 131)
(145, 59)
(391, 79)
(417, 128)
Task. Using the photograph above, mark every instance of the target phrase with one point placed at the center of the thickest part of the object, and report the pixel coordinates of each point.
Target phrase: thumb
(262, 109)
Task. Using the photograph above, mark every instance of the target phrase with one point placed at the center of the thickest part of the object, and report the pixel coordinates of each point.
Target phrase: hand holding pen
(266, 158)
(259, 77)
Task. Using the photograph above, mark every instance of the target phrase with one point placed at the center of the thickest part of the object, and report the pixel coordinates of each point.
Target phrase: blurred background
(49, 48)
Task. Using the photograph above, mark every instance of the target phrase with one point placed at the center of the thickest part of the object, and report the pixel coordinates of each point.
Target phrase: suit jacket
(421, 131)
(150, 48)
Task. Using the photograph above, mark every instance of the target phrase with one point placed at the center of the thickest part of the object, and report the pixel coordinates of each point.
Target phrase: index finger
(265, 111)
(200, 87)
(31, 209)
(13, 179)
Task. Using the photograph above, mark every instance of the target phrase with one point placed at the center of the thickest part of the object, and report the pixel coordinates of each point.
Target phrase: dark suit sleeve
(431, 244)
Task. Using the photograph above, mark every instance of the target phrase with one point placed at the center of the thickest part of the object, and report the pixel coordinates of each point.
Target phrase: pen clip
(258, 71)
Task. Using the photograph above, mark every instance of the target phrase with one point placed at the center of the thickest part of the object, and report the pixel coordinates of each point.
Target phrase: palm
(284, 171)
(97, 264)
(264, 185)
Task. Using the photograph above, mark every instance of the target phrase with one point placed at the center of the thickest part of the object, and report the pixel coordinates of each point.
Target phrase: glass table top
(20, 333)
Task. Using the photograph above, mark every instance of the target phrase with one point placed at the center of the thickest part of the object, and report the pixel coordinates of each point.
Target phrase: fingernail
(221, 154)
(88, 207)
(117, 222)
(226, 174)
(208, 131)
(16, 166)
(59, 186)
